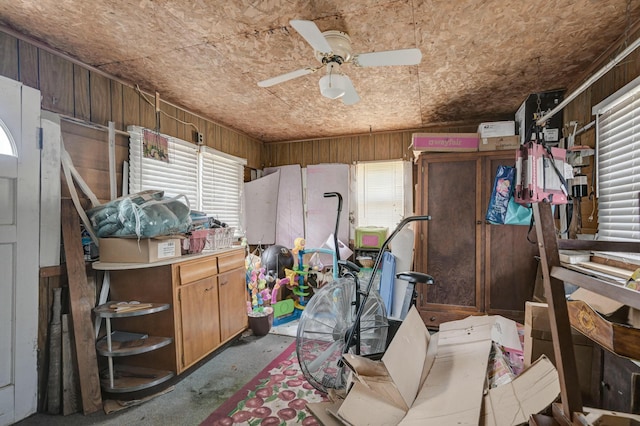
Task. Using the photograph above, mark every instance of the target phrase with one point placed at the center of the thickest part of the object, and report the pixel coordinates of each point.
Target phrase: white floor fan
(333, 49)
(338, 320)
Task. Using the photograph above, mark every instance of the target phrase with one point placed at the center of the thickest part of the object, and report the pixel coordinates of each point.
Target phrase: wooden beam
(558, 311)
(81, 303)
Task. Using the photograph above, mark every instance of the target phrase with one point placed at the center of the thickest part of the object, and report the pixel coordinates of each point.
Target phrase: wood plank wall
(87, 95)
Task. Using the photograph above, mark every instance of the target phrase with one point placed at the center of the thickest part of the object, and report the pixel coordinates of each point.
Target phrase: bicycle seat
(415, 277)
(349, 265)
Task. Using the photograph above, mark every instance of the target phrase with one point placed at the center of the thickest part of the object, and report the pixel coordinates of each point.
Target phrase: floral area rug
(276, 396)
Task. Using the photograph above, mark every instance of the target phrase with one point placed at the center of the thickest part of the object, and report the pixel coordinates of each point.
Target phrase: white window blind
(221, 186)
(618, 164)
(211, 180)
(384, 193)
(178, 176)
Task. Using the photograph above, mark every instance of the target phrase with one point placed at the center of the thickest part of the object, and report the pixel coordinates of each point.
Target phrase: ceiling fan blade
(310, 32)
(350, 96)
(389, 57)
(286, 77)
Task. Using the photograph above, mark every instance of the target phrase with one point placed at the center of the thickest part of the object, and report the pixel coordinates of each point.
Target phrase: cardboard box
(445, 142)
(499, 143)
(132, 250)
(538, 342)
(370, 236)
(497, 129)
(440, 379)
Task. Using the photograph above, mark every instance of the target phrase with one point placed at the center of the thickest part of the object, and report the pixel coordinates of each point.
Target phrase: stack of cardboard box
(441, 379)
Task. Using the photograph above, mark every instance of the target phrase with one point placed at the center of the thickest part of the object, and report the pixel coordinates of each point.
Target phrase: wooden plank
(81, 304)
(147, 113)
(81, 93)
(366, 148)
(45, 296)
(100, 99)
(620, 246)
(321, 152)
(607, 269)
(9, 54)
(381, 147)
(168, 124)
(69, 377)
(606, 288)
(117, 107)
(50, 190)
(55, 355)
(558, 311)
(131, 107)
(28, 56)
(56, 83)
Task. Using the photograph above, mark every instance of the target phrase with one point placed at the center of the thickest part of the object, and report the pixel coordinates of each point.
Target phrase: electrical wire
(186, 123)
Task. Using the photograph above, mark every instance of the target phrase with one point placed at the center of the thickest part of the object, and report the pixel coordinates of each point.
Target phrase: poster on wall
(155, 146)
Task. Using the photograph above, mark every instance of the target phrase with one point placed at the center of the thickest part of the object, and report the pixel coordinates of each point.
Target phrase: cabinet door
(510, 264)
(448, 245)
(233, 303)
(200, 322)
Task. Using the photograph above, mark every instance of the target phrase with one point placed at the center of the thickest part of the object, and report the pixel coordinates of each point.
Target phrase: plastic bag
(518, 214)
(500, 195)
(145, 214)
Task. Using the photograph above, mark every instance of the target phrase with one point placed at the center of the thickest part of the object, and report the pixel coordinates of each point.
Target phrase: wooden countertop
(103, 266)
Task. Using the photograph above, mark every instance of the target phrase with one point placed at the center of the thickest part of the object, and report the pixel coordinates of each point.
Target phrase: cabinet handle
(478, 222)
(207, 289)
(432, 319)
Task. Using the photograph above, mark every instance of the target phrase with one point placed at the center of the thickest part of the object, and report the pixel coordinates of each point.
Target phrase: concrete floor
(195, 396)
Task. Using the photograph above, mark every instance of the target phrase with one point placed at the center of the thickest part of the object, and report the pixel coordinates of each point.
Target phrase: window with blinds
(618, 164)
(222, 180)
(212, 181)
(384, 193)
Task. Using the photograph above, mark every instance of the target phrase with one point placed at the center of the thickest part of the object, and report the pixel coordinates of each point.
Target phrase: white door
(19, 230)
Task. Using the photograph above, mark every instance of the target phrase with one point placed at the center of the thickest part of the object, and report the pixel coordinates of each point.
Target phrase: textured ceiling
(480, 59)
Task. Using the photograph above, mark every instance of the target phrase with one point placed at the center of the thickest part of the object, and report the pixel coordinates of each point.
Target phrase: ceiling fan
(333, 49)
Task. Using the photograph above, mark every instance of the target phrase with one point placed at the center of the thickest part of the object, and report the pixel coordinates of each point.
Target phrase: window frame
(618, 211)
(190, 170)
(406, 199)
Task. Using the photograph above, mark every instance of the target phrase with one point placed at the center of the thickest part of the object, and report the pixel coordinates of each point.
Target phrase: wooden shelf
(563, 314)
(127, 378)
(105, 311)
(135, 347)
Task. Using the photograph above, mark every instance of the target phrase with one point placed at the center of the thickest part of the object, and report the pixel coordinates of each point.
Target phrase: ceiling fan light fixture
(332, 85)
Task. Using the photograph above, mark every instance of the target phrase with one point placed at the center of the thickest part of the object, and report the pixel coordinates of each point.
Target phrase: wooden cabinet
(207, 304)
(477, 267)
(199, 320)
